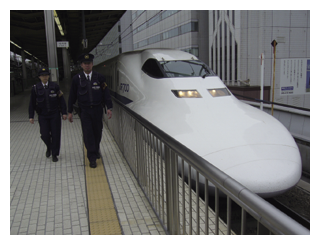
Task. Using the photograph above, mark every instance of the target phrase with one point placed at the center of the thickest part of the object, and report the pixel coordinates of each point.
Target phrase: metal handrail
(272, 103)
(266, 215)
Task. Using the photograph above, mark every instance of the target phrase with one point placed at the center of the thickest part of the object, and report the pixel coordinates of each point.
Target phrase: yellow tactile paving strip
(103, 219)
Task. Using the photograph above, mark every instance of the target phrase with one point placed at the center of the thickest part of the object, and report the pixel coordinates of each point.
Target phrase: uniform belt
(90, 106)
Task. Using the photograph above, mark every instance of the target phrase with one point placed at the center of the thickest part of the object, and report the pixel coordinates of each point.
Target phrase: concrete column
(66, 64)
(24, 69)
(34, 70)
(51, 45)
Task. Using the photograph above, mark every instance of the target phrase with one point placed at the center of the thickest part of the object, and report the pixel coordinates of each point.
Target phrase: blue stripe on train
(123, 99)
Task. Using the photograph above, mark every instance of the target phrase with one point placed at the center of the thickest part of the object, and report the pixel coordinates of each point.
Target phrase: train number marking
(124, 87)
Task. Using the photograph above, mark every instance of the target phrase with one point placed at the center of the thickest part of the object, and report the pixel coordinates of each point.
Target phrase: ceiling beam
(26, 14)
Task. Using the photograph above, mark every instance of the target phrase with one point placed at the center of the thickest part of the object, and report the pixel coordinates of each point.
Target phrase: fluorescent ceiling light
(15, 44)
(56, 18)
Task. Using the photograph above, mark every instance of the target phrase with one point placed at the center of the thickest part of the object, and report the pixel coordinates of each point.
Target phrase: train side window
(152, 68)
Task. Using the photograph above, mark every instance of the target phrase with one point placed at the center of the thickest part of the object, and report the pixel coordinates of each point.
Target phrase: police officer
(47, 100)
(90, 89)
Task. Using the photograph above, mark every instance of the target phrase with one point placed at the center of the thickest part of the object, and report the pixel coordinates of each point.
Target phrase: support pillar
(51, 45)
(66, 64)
(34, 69)
(24, 69)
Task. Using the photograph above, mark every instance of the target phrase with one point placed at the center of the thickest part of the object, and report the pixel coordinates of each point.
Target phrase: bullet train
(179, 94)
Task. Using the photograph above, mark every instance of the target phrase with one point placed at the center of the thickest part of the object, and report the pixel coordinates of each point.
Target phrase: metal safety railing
(184, 189)
(271, 103)
(237, 82)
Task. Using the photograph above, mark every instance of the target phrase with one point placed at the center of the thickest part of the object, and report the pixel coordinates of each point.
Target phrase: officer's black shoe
(48, 152)
(98, 155)
(54, 158)
(93, 164)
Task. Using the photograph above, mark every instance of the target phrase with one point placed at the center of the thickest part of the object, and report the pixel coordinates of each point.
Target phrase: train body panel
(247, 144)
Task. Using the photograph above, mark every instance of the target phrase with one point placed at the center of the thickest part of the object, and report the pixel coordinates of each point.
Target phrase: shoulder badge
(104, 85)
(60, 93)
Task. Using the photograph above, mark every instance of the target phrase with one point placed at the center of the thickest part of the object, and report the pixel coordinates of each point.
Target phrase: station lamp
(56, 18)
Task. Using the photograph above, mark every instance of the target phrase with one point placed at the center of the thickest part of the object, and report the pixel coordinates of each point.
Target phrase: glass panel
(168, 13)
(151, 67)
(142, 27)
(186, 68)
(186, 28)
(194, 26)
(155, 39)
(154, 20)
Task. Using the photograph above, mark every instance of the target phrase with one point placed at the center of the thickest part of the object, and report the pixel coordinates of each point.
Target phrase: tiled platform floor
(50, 198)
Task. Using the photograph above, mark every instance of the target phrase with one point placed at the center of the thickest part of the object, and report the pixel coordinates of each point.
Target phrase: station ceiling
(27, 29)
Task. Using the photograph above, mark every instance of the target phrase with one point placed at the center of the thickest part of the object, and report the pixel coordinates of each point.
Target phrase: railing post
(137, 132)
(175, 193)
(262, 230)
(243, 221)
(172, 191)
(217, 211)
(229, 202)
(168, 189)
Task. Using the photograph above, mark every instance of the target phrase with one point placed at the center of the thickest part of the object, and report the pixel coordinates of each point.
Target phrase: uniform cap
(86, 58)
(43, 71)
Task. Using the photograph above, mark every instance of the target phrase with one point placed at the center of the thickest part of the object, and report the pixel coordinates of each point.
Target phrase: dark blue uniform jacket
(46, 101)
(89, 93)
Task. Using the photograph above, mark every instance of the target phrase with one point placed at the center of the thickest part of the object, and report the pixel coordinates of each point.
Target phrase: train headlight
(186, 93)
(219, 92)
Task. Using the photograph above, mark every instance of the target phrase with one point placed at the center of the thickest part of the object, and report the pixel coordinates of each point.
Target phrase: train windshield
(186, 68)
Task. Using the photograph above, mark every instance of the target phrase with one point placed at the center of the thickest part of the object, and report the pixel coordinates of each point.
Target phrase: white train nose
(266, 170)
(256, 176)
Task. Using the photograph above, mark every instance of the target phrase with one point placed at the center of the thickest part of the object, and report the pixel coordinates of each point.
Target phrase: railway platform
(68, 197)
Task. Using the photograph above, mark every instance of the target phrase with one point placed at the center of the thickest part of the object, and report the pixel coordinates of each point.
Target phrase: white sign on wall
(295, 76)
(63, 44)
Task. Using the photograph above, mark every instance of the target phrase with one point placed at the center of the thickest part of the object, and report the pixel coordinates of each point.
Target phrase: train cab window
(152, 68)
(186, 68)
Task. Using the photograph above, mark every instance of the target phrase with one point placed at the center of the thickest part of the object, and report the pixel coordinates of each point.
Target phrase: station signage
(295, 76)
(63, 44)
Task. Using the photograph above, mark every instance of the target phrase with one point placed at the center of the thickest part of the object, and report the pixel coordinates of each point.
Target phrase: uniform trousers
(91, 122)
(50, 130)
